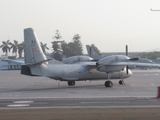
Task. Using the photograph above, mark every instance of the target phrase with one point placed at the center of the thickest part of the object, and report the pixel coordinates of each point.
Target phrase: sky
(109, 24)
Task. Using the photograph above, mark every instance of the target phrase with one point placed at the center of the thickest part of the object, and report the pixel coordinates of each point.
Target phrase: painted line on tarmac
(103, 102)
(18, 105)
(22, 102)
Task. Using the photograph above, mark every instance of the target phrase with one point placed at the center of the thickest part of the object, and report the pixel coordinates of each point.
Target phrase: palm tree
(20, 49)
(5, 47)
(44, 47)
(14, 46)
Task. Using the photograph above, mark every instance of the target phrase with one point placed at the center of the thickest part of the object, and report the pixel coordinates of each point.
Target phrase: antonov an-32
(110, 67)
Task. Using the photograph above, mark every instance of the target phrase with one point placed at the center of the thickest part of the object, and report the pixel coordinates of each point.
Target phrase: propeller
(136, 58)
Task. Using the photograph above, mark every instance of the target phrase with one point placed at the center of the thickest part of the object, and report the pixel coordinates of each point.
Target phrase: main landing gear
(71, 83)
(108, 83)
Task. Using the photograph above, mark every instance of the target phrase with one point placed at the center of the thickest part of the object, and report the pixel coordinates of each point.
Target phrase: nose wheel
(121, 82)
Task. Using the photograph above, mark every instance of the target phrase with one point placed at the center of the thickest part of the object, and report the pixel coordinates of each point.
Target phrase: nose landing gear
(121, 82)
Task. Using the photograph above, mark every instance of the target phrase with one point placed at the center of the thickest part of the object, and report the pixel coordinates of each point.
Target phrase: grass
(81, 114)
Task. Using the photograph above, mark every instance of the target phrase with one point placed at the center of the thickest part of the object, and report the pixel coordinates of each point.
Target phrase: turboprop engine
(107, 64)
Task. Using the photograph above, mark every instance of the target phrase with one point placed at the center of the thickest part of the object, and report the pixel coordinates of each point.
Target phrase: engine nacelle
(107, 60)
(104, 68)
(74, 59)
(105, 64)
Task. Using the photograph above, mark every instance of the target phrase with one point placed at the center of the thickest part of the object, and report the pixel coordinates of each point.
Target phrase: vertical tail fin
(92, 53)
(33, 51)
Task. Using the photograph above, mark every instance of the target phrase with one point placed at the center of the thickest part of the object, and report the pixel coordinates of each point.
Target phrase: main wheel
(108, 84)
(71, 83)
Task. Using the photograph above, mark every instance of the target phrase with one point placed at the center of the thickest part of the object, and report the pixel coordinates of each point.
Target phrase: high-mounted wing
(116, 63)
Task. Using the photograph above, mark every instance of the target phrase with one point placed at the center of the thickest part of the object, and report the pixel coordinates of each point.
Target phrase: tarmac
(18, 90)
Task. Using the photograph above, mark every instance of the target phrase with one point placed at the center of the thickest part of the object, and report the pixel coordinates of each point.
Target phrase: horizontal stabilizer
(36, 63)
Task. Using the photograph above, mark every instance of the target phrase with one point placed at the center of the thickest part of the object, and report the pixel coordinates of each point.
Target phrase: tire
(121, 82)
(71, 83)
(108, 84)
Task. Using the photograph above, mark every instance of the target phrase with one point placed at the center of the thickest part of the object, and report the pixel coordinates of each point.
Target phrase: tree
(14, 46)
(17, 47)
(5, 47)
(57, 35)
(20, 49)
(56, 46)
(57, 50)
(77, 45)
(65, 49)
(96, 49)
(72, 48)
(44, 47)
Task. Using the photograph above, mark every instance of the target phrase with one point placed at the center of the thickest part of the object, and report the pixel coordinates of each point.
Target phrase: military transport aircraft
(110, 67)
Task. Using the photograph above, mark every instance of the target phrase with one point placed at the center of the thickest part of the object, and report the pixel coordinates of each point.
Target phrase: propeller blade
(126, 50)
(127, 69)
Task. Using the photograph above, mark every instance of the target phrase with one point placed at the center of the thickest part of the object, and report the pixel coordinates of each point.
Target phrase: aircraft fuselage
(74, 72)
